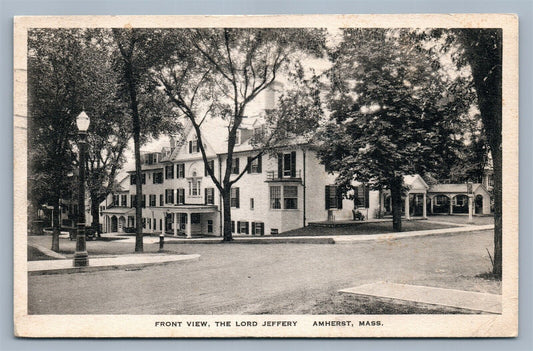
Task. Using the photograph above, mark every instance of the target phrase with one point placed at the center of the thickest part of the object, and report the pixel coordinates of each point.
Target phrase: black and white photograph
(266, 176)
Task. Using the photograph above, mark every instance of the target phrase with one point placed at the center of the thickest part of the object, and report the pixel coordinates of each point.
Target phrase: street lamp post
(81, 257)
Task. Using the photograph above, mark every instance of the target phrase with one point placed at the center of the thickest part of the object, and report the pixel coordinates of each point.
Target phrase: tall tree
(138, 53)
(219, 72)
(483, 53)
(395, 111)
(54, 92)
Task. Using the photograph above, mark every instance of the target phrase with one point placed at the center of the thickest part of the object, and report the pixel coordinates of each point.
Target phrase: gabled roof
(412, 180)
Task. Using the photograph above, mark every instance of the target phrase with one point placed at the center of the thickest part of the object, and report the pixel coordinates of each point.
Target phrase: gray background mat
(10, 8)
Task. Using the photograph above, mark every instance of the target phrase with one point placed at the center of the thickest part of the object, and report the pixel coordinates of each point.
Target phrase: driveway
(247, 278)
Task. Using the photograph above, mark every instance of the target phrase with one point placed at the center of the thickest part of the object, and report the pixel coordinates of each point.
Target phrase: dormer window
(238, 137)
(194, 146)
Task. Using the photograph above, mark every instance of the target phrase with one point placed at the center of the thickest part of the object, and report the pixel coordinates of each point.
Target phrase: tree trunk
(95, 213)
(138, 189)
(396, 196)
(497, 191)
(226, 200)
(55, 225)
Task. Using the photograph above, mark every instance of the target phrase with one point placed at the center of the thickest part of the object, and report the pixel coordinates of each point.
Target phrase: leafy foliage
(396, 110)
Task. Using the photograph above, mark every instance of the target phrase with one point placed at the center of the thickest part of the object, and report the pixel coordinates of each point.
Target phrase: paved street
(248, 278)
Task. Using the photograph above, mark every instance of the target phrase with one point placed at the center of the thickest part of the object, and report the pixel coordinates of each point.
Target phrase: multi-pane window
(194, 187)
(361, 196)
(275, 197)
(258, 228)
(255, 165)
(143, 201)
(158, 178)
(194, 146)
(290, 197)
(124, 200)
(287, 165)
(161, 200)
(152, 200)
(180, 170)
(235, 166)
(115, 200)
(209, 196)
(243, 227)
(209, 225)
(333, 197)
(234, 198)
(169, 196)
(180, 196)
(133, 200)
(169, 172)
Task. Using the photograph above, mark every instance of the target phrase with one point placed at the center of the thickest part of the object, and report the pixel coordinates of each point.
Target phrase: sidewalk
(105, 263)
(467, 300)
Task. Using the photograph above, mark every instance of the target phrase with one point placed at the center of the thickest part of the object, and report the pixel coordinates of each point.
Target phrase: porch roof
(118, 210)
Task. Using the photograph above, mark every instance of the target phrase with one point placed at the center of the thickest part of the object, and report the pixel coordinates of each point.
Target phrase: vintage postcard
(266, 176)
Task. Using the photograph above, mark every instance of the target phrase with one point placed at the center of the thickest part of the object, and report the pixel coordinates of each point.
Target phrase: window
(361, 196)
(169, 196)
(333, 197)
(255, 165)
(152, 200)
(133, 200)
(275, 197)
(238, 137)
(233, 226)
(158, 177)
(169, 172)
(194, 146)
(124, 200)
(115, 200)
(180, 196)
(209, 196)
(155, 224)
(211, 165)
(144, 223)
(194, 187)
(258, 228)
(161, 200)
(195, 218)
(143, 201)
(242, 227)
(235, 166)
(234, 197)
(287, 165)
(133, 179)
(290, 197)
(180, 170)
(149, 223)
(209, 225)
(251, 203)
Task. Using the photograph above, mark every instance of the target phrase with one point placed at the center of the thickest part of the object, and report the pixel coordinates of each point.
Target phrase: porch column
(175, 224)
(407, 215)
(431, 200)
(188, 226)
(451, 204)
(424, 208)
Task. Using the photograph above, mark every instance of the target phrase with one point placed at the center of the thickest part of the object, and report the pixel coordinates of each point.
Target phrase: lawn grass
(36, 255)
(358, 228)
